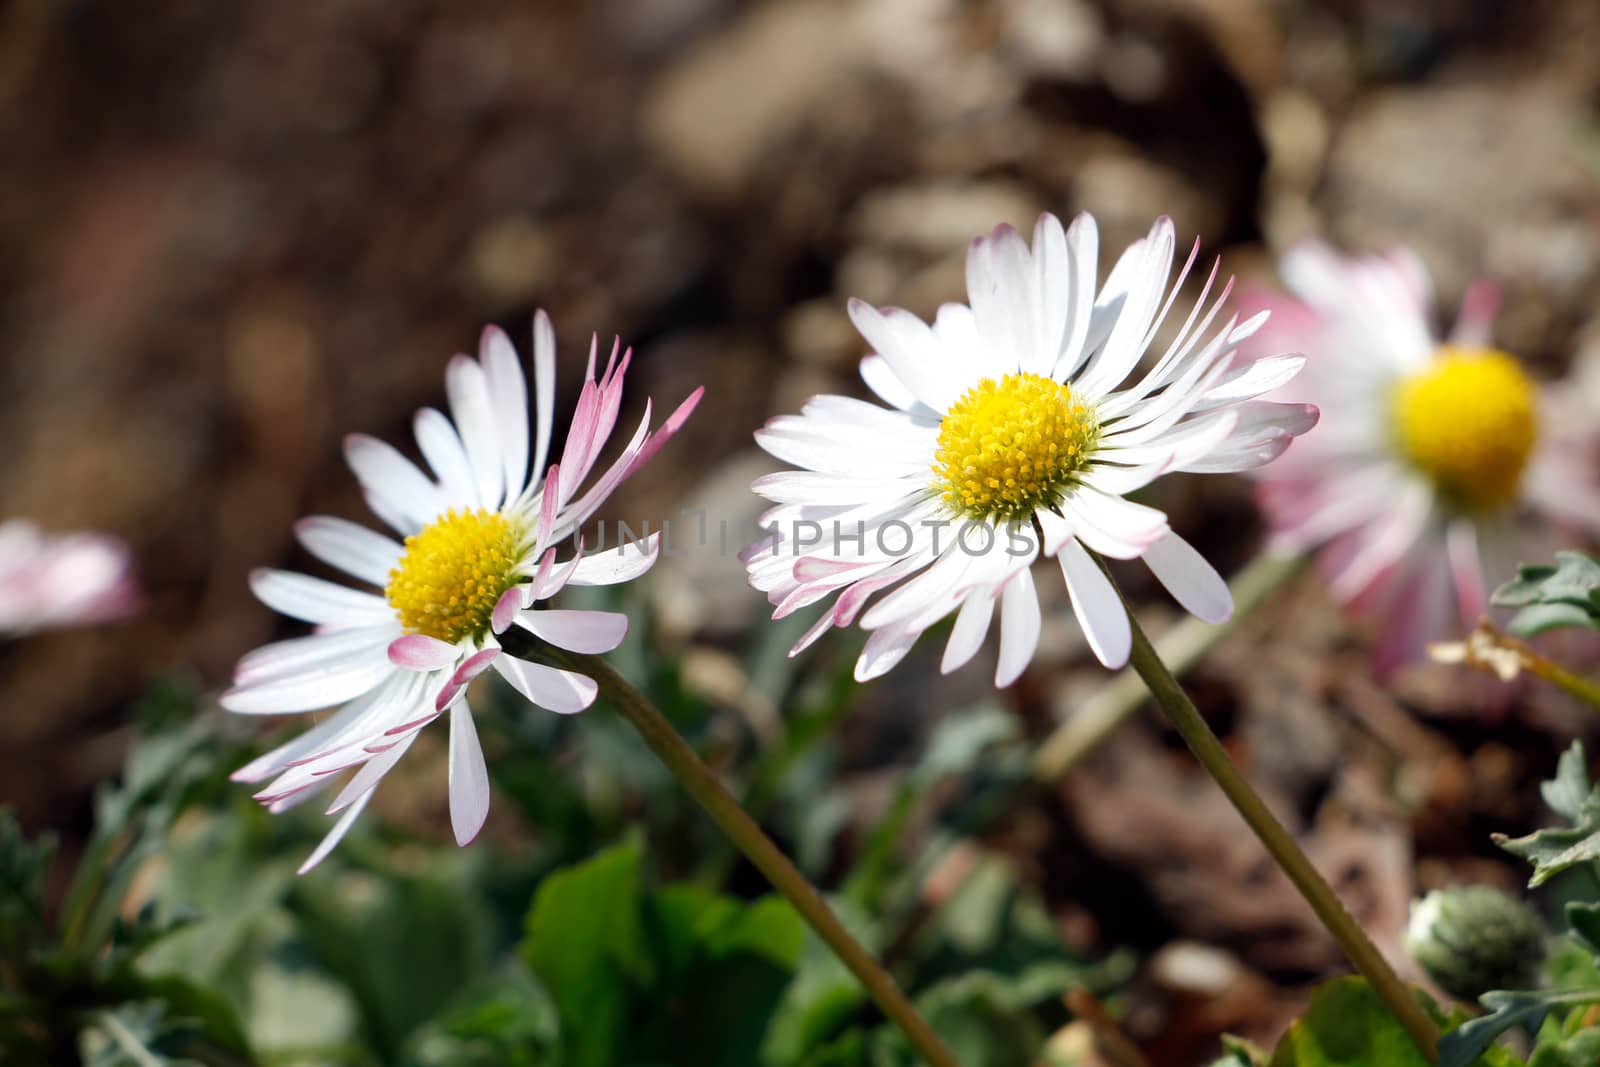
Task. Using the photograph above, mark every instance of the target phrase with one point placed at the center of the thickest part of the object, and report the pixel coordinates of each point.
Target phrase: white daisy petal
(564, 692)
(1020, 622)
(909, 347)
(364, 781)
(309, 599)
(972, 626)
(281, 659)
(391, 480)
(577, 631)
(883, 650)
(472, 410)
(881, 379)
(317, 687)
(508, 395)
(354, 549)
(1192, 581)
(469, 777)
(335, 835)
(544, 388)
(441, 446)
(1096, 606)
(622, 564)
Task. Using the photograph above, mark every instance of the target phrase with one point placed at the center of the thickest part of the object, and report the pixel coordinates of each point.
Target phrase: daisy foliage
(1012, 428)
(479, 554)
(1439, 462)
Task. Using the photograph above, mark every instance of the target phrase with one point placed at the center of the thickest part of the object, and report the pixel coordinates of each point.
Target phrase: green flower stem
(1186, 718)
(1181, 647)
(1489, 637)
(701, 784)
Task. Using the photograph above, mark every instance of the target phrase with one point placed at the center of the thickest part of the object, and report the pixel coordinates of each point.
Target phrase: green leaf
(722, 967)
(585, 940)
(404, 946)
(1584, 920)
(986, 1019)
(1567, 792)
(1347, 1025)
(213, 1016)
(24, 866)
(1462, 1047)
(1581, 1049)
(1536, 619)
(1553, 850)
(506, 1021)
(821, 997)
(1567, 594)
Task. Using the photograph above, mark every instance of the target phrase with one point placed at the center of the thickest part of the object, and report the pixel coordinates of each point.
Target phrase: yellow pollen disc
(1469, 423)
(453, 572)
(1009, 448)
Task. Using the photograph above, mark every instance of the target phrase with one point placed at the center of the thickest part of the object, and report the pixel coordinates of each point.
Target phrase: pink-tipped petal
(335, 835)
(419, 652)
(473, 666)
(506, 608)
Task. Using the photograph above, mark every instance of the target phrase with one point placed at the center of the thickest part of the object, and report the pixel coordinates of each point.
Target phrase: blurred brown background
(231, 233)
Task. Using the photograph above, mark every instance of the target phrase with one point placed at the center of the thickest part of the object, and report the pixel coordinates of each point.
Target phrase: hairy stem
(1181, 647)
(700, 783)
(1285, 851)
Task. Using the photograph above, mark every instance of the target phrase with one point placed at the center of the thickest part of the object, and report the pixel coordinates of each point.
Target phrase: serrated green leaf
(1507, 1008)
(1567, 594)
(585, 941)
(1567, 792)
(1554, 849)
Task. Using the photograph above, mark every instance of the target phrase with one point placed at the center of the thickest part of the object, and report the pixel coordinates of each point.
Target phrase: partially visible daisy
(1432, 452)
(479, 555)
(1015, 428)
(71, 579)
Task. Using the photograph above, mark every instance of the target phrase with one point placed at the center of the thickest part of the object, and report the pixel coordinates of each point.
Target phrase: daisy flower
(69, 580)
(1432, 454)
(1015, 428)
(479, 555)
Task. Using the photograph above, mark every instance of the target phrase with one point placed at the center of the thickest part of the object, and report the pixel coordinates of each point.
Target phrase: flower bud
(1471, 939)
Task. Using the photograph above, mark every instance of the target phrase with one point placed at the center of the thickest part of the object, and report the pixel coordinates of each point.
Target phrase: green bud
(1471, 939)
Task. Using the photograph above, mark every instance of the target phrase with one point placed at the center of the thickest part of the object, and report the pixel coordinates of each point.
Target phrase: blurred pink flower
(71, 579)
(1438, 465)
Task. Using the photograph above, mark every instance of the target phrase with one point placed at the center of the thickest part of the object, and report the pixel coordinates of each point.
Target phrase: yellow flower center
(1468, 422)
(453, 572)
(1009, 448)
